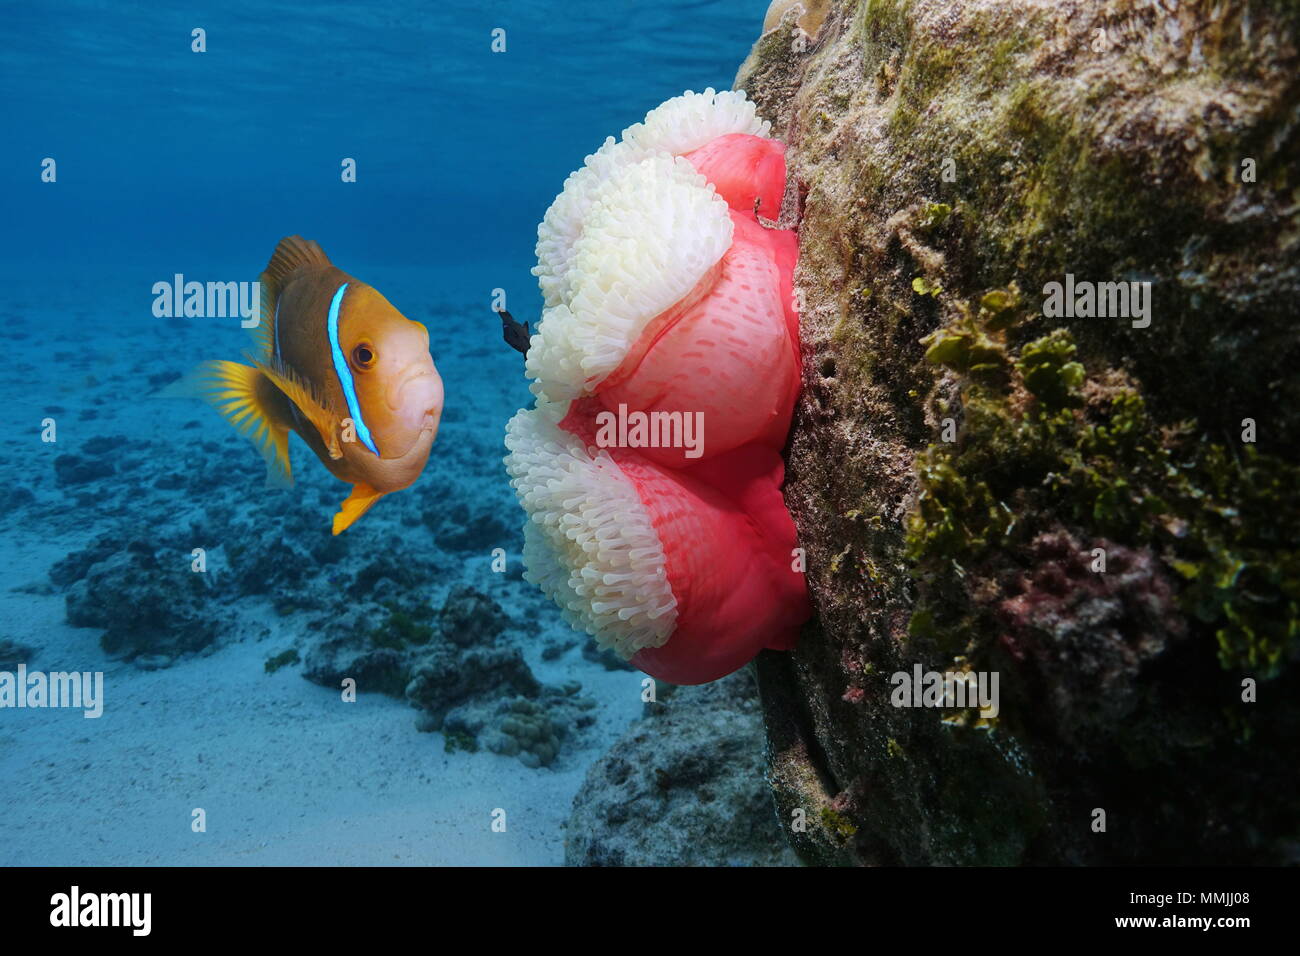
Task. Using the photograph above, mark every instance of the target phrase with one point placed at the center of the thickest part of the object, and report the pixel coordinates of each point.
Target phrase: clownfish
(335, 362)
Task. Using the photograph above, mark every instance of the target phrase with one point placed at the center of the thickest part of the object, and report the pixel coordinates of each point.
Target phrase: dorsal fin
(292, 253)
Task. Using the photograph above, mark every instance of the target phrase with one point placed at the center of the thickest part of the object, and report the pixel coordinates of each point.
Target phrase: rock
(74, 565)
(283, 659)
(106, 445)
(1087, 636)
(471, 617)
(425, 723)
(354, 644)
(403, 648)
(147, 606)
(439, 661)
(603, 656)
(525, 729)
(386, 575)
(532, 730)
(480, 530)
(13, 653)
(963, 454)
(444, 676)
(380, 670)
(262, 561)
(557, 649)
(72, 470)
(682, 788)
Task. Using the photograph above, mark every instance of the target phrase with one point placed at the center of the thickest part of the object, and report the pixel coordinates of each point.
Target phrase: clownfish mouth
(416, 397)
(414, 377)
(419, 443)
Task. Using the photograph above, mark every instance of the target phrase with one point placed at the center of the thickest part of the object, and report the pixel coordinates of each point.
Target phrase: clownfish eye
(363, 356)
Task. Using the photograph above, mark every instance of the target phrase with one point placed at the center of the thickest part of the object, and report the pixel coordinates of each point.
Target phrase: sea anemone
(676, 128)
(686, 572)
(726, 352)
(667, 295)
(654, 230)
(747, 171)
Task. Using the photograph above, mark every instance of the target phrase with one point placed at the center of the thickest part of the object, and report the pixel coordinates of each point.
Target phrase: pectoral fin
(356, 504)
(312, 405)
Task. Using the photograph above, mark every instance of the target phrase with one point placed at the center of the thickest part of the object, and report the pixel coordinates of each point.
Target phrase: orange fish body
(335, 362)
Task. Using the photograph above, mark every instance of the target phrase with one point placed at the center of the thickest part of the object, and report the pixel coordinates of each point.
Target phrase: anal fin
(355, 505)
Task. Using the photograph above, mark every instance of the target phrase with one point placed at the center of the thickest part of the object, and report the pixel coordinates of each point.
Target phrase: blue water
(169, 158)
(171, 161)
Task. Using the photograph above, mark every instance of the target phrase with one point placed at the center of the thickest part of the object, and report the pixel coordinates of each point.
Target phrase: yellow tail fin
(249, 402)
(355, 505)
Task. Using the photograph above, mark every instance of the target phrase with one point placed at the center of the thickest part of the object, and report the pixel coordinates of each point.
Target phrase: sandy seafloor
(286, 772)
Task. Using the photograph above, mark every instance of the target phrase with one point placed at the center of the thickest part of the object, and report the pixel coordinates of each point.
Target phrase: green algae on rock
(1104, 514)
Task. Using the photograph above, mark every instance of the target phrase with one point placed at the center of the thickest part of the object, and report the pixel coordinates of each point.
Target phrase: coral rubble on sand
(684, 787)
(189, 552)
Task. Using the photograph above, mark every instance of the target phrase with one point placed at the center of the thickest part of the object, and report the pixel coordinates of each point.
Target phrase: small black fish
(515, 333)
